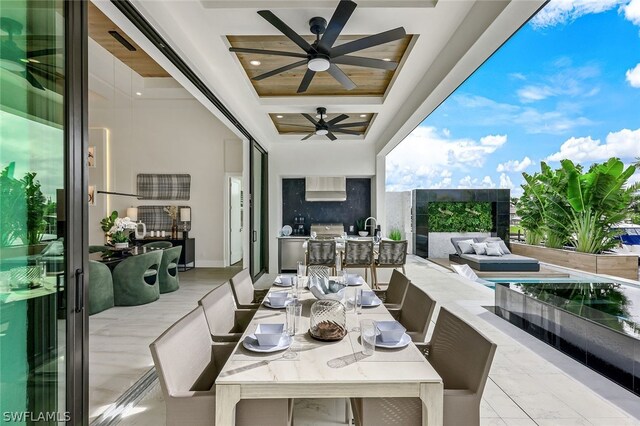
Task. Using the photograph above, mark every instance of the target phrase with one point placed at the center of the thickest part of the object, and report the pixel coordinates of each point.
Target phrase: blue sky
(567, 85)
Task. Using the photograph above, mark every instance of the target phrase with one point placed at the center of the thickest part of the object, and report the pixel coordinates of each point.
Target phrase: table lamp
(185, 216)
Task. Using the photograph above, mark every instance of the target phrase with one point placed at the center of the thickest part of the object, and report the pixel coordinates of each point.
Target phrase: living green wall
(460, 217)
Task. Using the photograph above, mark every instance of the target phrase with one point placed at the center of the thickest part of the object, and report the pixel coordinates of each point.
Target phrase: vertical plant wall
(460, 217)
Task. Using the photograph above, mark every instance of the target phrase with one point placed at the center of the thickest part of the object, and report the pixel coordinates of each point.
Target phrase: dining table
(112, 257)
(322, 369)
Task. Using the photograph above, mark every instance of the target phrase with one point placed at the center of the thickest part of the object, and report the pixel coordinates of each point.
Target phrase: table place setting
(268, 338)
(391, 335)
(353, 279)
(277, 299)
(284, 280)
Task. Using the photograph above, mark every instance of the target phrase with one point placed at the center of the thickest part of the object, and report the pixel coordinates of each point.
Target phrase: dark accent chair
(100, 287)
(169, 270)
(135, 279)
(158, 244)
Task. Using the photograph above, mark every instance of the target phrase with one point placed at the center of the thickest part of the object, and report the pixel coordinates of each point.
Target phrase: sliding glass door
(40, 349)
(259, 244)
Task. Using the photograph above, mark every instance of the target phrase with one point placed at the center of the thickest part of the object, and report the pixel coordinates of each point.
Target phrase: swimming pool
(595, 321)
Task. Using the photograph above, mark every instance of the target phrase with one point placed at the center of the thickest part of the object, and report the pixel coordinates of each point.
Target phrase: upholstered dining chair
(168, 271)
(415, 313)
(359, 254)
(135, 279)
(158, 244)
(188, 362)
(391, 254)
(321, 253)
(462, 356)
(100, 291)
(226, 322)
(246, 296)
(393, 295)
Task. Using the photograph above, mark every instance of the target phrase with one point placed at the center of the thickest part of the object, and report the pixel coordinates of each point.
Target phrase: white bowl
(285, 279)
(269, 334)
(363, 233)
(390, 331)
(278, 298)
(368, 296)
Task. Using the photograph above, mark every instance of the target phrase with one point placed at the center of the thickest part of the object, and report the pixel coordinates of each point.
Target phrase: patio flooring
(530, 383)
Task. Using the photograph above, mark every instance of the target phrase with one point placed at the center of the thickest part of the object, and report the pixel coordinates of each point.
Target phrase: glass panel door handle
(79, 290)
(255, 236)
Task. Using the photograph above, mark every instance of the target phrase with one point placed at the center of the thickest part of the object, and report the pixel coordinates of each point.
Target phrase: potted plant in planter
(117, 229)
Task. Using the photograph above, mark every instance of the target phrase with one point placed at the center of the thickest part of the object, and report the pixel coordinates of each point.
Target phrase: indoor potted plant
(361, 228)
(117, 229)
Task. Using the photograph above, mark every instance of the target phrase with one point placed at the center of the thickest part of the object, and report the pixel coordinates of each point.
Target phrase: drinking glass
(300, 269)
(313, 235)
(358, 301)
(344, 235)
(351, 297)
(368, 336)
(293, 314)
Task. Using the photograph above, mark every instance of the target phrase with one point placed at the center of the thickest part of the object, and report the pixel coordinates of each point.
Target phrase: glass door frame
(263, 210)
(76, 211)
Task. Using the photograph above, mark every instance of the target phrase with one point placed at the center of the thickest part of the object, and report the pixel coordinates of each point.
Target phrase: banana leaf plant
(599, 199)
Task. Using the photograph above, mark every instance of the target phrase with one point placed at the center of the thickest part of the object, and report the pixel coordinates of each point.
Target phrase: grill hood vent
(326, 189)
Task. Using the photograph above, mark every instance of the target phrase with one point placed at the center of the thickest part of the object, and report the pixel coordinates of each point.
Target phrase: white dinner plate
(287, 230)
(279, 283)
(404, 341)
(251, 343)
(354, 281)
(376, 302)
(267, 303)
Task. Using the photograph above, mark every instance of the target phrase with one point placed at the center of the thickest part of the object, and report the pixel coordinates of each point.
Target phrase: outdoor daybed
(506, 262)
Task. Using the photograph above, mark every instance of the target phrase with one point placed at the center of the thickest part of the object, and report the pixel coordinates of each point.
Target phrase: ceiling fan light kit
(321, 55)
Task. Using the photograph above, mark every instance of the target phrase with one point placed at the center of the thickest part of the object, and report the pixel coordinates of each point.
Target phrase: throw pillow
(493, 250)
(503, 246)
(466, 246)
(479, 248)
(496, 245)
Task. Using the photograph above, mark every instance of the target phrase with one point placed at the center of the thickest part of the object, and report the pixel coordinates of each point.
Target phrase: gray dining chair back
(188, 363)
(244, 291)
(226, 322)
(359, 254)
(100, 292)
(158, 244)
(392, 253)
(416, 312)
(396, 290)
(462, 356)
(321, 252)
(168, 272)
(135, 279)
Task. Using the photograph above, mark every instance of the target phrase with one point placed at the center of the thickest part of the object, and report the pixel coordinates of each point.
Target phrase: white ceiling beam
(271, 4)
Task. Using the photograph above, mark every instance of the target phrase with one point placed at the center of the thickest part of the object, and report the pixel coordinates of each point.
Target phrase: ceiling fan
(328, 128)
(321, 55)
(12, 58)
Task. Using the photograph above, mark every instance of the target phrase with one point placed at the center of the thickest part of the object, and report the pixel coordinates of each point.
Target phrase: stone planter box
(440, 246)
(619, 265)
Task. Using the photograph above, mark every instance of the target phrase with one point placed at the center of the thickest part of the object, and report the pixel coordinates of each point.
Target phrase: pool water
(612, 304)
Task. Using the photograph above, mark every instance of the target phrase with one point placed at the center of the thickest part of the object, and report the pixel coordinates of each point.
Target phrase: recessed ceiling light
(255, 63)
(279, 116)
(386, 59)
(138, 93)
(363, 115)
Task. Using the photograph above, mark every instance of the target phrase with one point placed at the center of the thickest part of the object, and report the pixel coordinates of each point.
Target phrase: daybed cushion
(456, 241)
(498, 240)
(507, 258)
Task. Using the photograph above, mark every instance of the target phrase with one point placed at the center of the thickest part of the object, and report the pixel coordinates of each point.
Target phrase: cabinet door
(292, 253)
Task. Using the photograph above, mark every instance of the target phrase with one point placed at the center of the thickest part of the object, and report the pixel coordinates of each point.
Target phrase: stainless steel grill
(327, 230)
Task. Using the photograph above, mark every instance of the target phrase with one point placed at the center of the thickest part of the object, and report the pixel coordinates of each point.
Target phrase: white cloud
(427, 159)
(469, 182)
(633, 75)
(632, 11)
(622, 144)
(514, 165)
(558, 12)
(482, 111)
(505, 182)
(567, 80)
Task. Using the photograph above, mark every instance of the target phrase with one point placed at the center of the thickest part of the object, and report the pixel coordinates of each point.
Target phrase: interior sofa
(507, 262)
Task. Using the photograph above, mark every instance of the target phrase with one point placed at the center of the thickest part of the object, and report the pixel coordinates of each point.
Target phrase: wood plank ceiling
(138, 60)
(370, 82)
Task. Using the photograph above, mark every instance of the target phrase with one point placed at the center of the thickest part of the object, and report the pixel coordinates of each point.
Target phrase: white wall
(301, 159)
(165, 130)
